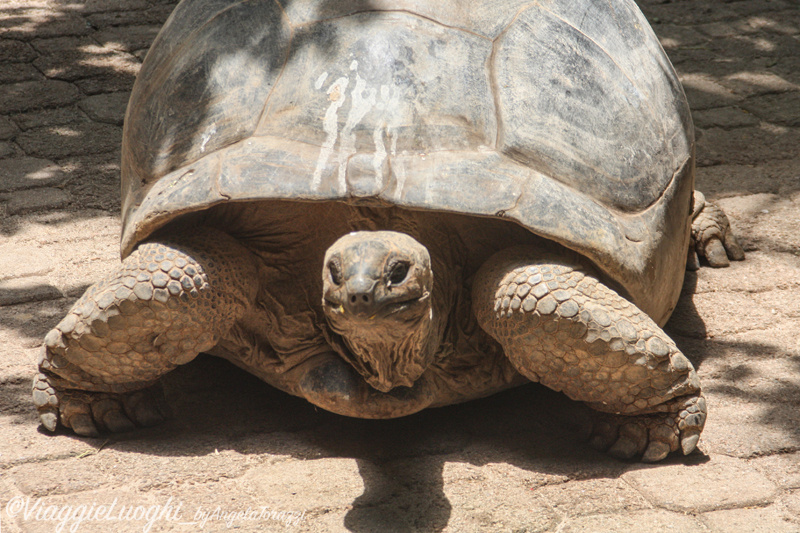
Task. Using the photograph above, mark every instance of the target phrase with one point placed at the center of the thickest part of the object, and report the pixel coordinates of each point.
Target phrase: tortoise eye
(398, 273)
(336, 273)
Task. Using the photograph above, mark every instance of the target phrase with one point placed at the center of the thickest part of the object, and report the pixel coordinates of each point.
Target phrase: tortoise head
(377, 295)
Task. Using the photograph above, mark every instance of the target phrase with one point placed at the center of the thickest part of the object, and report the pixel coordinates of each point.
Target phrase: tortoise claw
(632, 441)
(732, 246)
(715, 253)
(689, 441)
(656, 451)
(83, 425)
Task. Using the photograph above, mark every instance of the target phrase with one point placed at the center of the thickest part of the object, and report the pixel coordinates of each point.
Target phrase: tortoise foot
(712, 236)
(652, 436)
(91, 413)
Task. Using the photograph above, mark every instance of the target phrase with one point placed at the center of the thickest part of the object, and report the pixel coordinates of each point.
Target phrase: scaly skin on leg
(712, 236)
(166, 303)
(561, 327)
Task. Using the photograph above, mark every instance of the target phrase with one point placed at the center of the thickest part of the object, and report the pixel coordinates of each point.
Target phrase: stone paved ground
(514, 462)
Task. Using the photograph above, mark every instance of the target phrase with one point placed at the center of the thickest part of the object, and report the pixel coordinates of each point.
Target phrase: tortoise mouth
(404, 309)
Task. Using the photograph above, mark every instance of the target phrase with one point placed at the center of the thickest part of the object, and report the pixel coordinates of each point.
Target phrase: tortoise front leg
(562, 327)
(166, 303)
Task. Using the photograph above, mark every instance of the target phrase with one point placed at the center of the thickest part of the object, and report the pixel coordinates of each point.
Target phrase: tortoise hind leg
(166, 303)
(562, 327)
(712, 236)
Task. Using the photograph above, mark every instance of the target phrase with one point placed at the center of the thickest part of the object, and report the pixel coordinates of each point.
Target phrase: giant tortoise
(382, 206)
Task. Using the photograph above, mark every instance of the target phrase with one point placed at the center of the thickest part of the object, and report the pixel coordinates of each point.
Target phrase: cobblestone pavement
(513, 462)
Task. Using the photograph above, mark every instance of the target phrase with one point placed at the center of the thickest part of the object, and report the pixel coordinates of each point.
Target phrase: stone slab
(16, 51)
(102, 6)
(593, 496)
(29, 173)
(703, 486)
(782, 469)
(31, 23)
(782, 108)
(80, 138)
(756, 83)
(638, 522)
(767, 520)
(108, 82)
(18, 97)
(154, 15)
(705, 92)
(792, 502)
(293, 485)
(724, 117)
(118, 463)
(49, 117)
(19, 72)
(21, 202)
(495, 497)
(748, 146)
(77, 59)
(676, 37)
(23, 261)
(7, 129)
(7, 150)
(22, 290)
(128, 38)
(108, 108)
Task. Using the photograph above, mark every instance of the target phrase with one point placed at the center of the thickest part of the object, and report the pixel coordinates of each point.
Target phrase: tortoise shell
(563, 116)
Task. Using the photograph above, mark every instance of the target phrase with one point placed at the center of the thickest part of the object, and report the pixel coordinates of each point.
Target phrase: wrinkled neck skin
(388, 356)
(392, 340)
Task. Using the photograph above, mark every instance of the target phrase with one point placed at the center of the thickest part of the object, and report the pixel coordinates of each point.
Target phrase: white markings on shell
(330, 127)
(363, 99)
(389, 99)
(380, 153)
(320, 80)
(207, 137)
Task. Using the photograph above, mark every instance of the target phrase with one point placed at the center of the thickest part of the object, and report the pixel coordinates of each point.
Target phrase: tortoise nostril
(365, 297)
(353, 299)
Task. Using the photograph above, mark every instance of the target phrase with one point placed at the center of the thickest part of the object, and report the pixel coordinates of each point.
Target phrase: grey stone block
(7, 129)
(724, 117)
(22, 290)
(72, 139)
(6, 150)
(109, 108)
(22, 262)
(703, 487)
(18, 72)
(28, 95)
(26, 201)
(28, 173)
(16, 51)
